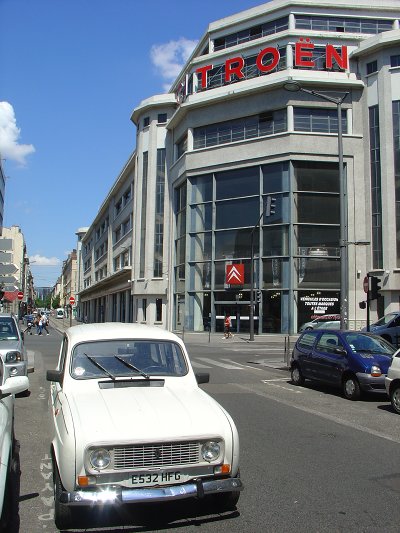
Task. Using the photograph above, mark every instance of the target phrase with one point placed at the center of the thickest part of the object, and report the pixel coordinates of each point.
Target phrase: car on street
(131, 424)
(351, 360)
(12, 344)
(392, 382)
(9, 386)
(321, 321)
(388, 327)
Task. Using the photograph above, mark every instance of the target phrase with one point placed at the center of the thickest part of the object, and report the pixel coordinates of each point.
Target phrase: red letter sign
(235, 274)
(331, 54)
(203, 71)
(234, 66)
(275, 59)
(304, 50)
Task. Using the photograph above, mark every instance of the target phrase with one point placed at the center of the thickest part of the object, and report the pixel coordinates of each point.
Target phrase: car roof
(118, 330)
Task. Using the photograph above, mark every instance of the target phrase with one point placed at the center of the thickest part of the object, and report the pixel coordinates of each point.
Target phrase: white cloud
(169, 58)
(9, 135)
(40, 260)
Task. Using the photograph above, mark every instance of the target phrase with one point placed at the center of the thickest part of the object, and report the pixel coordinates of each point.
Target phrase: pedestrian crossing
(208, 363)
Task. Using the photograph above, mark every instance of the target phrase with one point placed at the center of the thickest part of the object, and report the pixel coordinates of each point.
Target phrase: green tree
(56, 302)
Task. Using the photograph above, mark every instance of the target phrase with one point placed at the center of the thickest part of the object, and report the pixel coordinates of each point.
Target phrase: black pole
(368, 300)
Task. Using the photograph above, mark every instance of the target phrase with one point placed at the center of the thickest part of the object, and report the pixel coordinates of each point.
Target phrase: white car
(131, 425)
(392, 382)
(10, 384)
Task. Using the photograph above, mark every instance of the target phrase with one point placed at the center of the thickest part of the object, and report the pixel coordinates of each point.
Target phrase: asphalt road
(310, 460)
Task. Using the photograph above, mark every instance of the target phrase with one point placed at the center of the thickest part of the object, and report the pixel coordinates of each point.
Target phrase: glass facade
(376, 187)
(296, 247)
(396, 144)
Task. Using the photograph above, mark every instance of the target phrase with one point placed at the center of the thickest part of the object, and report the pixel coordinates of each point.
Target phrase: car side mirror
(202, 377)
(54, 375)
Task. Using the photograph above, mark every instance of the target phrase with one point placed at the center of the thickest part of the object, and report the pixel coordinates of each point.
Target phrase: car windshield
(127, 358)
(369, 344)
(385, 319)
(8, 330)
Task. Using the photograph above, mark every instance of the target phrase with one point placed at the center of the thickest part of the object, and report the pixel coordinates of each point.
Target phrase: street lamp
(294, 86)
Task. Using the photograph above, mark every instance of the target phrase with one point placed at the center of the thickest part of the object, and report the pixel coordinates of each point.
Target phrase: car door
(303, 350)
(329, 358)
(56, 393)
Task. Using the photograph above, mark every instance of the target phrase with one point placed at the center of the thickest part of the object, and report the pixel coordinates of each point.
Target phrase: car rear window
(307, 340)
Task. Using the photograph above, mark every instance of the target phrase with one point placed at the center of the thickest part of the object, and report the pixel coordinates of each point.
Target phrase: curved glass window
(276, 240)
(317, 208)
(237, 213)
(236, 183)
(201, 217)
(316, 176)
(233, 243)
(202, 189)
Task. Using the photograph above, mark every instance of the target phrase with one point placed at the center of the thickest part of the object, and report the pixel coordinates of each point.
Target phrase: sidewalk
(203, 337)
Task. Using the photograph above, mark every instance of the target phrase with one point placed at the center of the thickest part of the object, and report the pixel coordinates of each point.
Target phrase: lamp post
(294, 86)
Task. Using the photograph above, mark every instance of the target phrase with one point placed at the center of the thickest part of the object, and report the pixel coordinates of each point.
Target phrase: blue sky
(72, 71)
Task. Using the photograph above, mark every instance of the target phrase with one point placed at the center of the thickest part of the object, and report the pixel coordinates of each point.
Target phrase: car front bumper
(370, 383)
(112, 495)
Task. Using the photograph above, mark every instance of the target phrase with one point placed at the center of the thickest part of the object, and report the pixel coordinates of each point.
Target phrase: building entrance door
(239, 312)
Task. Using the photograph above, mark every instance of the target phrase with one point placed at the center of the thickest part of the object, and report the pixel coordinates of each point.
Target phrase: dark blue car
(351, 360)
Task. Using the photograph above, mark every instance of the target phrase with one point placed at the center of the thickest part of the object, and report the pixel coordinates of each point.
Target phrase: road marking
(241, 365)
(282, 387)
(195, 364)
(217, 363)
(275, 379)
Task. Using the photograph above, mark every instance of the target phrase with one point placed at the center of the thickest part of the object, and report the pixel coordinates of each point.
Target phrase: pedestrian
(36, 323)
(227, 326)
(45, 322)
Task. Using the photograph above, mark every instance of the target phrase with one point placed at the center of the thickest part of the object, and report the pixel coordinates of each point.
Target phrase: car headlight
(13, 357)
(210, 450)
(100, 458)
(376, 371)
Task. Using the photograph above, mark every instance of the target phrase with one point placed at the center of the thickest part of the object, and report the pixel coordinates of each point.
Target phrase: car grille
(150, 455)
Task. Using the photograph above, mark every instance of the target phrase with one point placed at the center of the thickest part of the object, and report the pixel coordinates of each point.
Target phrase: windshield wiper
(96, 363)
(133, 367)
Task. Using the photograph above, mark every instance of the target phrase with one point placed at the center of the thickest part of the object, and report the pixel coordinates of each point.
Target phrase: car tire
(296, 376)
(395, 398)
(227, 501)
(62, 511)
(351, 388)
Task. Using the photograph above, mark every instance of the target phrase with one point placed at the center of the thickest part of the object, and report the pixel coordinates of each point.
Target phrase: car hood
(369, 359)
(145, 413)
(7, 345)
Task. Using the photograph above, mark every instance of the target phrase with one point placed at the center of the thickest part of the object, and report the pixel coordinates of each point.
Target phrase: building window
(395, 61)
(144, 309)
(396, 144)
(376, 199)
(343, 24)
(181, 146)
(158, 309)
(146, 122)
(372, 67)
(268, 123)
(249, 34)
(118, 207)
(143, 216)
(318, 120)
(159, 214)
(161, 118)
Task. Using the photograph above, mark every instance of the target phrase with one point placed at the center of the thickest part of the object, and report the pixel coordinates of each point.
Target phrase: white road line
(286, 388)
(275, 379)
(195, 364)
(241, 365)
(217, 363)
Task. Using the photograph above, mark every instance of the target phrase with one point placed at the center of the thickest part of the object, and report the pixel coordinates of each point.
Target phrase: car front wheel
(351, 388)
(297, 376)
(62, 511)
(395, 398)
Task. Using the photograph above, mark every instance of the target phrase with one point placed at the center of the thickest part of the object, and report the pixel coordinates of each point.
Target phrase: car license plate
(159, 478)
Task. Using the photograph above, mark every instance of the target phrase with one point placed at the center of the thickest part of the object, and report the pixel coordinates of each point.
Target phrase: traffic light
(258, 296)
(270, 206)
(374, 292)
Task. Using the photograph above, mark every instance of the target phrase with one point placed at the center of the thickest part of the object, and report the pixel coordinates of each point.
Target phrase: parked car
(9, 385)
(388, 327)
(320, 321)
(351, 360)
(12, 345)
(392, 382)
(131, 424)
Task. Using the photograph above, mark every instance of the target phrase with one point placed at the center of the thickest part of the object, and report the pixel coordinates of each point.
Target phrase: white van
(60, 313)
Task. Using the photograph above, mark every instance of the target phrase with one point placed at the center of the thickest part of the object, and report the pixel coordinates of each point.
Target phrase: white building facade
(226, 140)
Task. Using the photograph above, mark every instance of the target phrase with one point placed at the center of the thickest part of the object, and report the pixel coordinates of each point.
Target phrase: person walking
(227, 326)
(45, 323)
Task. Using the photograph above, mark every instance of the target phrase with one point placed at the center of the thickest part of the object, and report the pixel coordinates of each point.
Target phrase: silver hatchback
(12, 346)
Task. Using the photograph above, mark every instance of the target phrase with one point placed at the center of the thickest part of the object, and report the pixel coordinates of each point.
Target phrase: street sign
(366, 284)
(235, 274)
(20, 295)
(72, 300)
